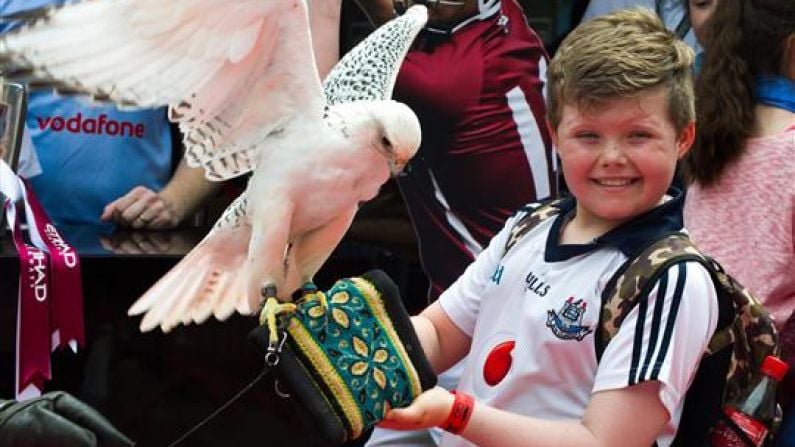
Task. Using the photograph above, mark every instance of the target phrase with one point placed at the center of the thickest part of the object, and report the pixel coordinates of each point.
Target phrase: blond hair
(617, 56)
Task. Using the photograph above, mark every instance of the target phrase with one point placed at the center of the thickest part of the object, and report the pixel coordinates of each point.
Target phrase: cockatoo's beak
(396, 167)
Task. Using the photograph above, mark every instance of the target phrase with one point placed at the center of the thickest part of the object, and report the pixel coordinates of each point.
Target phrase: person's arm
(604, 422)
(324, 18)
(442, 341)
(144, 208)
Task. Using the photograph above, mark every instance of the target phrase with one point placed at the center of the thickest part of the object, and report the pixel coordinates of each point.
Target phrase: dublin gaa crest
(566, 323)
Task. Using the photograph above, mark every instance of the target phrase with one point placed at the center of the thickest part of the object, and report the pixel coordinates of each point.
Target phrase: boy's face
(619, 157)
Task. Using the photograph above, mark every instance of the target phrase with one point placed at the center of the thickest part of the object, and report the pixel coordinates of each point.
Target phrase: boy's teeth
(614, 182)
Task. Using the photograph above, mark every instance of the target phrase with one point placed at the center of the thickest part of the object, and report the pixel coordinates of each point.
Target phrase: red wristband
(457, 420)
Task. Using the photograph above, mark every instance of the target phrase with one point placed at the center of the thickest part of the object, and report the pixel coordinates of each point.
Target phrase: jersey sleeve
(664, 337)
(461, 301)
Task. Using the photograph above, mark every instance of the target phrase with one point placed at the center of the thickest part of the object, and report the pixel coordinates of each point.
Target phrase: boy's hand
(429, 409)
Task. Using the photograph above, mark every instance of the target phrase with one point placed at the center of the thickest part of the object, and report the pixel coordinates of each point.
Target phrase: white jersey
(532, 315)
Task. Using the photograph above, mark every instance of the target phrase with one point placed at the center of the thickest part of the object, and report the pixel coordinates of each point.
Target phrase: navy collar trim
(630, 237)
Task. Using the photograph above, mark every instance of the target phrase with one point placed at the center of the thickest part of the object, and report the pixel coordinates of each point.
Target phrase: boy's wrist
(460, 412)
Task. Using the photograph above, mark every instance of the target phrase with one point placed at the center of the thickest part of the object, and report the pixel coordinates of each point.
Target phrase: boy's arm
(443, 342)
(628, 417)
(632, 416)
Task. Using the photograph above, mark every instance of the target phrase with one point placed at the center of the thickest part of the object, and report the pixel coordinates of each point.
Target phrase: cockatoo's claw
(305, 292)
(310, 292)
(268, 291)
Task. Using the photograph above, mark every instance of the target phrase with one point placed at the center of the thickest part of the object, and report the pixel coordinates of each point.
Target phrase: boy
(621, 111)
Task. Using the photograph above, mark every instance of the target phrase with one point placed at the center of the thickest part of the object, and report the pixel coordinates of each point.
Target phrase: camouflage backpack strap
(531, 220)
(751, 333)
(743, 323)
(634, 277)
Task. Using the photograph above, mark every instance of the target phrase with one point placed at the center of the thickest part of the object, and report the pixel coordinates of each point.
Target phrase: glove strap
(457, 420)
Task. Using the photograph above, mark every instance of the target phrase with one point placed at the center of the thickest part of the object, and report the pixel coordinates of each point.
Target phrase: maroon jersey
(485, 149)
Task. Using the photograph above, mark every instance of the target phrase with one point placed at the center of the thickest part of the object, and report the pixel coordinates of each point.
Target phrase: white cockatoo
(239, 76)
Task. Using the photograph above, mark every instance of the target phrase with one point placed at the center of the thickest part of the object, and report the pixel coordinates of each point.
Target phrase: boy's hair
(620, 55)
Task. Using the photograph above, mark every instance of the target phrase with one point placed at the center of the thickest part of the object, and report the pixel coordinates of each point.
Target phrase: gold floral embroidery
(340, 317)
(360, 346)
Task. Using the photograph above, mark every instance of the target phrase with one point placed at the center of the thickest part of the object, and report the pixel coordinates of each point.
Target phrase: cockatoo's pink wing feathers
(207, 281)
(230, 71)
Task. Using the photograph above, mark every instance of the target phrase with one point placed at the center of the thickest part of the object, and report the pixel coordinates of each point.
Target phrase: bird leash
(220, 409)
(272, 358)
(50, 297)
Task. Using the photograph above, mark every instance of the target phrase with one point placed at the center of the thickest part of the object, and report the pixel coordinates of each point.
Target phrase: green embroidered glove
(347, 356)
(56, 418)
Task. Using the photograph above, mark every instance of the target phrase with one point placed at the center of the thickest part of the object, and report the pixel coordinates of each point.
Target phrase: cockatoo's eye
(387, 144)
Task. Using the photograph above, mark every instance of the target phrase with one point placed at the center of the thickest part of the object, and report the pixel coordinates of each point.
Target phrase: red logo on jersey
(95, 126)
(498, 363)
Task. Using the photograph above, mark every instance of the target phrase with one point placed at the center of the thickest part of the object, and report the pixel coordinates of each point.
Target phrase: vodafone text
(97, 126)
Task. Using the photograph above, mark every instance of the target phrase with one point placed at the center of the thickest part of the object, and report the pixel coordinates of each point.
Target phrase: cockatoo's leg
(312, 249)
(269, 238)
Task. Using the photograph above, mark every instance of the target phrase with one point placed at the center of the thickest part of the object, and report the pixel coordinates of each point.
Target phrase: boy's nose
(612, 153)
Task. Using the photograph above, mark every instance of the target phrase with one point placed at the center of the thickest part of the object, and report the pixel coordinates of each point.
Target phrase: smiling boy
(621, 111)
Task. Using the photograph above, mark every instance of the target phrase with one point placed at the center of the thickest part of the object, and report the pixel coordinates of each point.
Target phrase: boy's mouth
(615, 182)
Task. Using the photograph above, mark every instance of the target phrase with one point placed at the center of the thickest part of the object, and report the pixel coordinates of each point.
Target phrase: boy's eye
(586, 136)
(639, 135)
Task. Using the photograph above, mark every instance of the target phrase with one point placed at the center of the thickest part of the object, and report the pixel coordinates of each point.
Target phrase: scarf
(776, 91)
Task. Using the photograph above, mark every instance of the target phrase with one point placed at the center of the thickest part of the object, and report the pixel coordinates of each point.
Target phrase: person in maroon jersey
(475, 79)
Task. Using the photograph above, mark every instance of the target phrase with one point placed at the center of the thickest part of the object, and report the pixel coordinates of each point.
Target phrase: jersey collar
(486, 10)
(630, 237)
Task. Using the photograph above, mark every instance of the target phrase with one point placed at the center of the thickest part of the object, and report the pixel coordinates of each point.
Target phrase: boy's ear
(686, 138)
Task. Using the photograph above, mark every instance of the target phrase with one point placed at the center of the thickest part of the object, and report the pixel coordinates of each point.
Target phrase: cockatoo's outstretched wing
(209, 280)
(368, 71)
(230, 71)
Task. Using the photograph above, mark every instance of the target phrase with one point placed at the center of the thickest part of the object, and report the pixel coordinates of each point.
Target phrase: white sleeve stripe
(529, 131)
(661, 327)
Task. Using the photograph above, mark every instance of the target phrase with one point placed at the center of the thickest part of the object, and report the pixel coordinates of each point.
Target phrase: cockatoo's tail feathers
(368, 71)
(205, 282)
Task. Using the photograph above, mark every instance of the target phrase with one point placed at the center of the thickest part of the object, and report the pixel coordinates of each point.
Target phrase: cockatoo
(240, 79)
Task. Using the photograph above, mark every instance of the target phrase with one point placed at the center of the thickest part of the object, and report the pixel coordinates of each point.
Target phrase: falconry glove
(344, 357)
